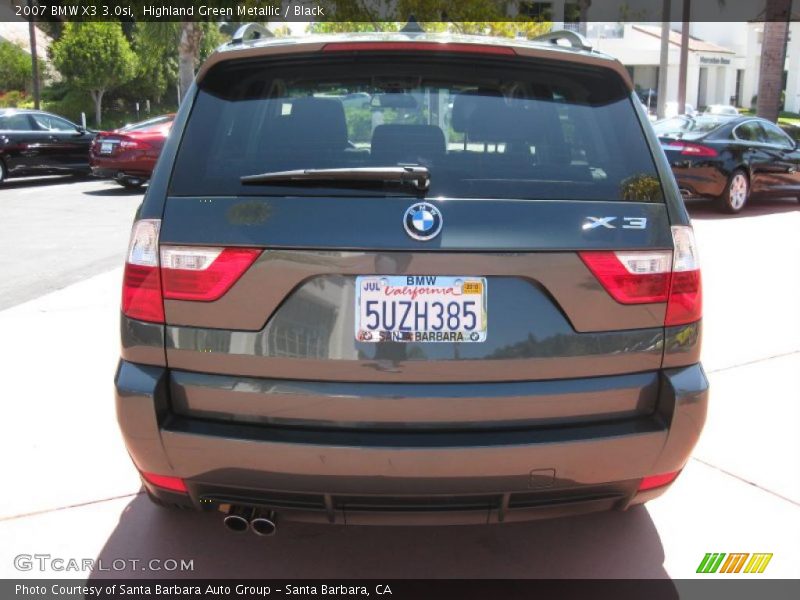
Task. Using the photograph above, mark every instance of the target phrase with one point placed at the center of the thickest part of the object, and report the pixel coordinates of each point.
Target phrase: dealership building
(723, 59)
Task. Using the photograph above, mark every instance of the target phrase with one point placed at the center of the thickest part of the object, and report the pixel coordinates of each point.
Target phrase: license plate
(420, 308)
(106, 148)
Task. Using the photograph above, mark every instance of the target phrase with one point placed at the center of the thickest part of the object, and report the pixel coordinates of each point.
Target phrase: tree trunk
(773, 57)
(188, 53)
(34, 58)
(663, 64)
(583, 7)
(686, 18)
(97, 96)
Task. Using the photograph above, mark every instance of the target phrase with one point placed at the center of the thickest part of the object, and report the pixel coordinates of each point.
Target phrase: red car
(128, 155)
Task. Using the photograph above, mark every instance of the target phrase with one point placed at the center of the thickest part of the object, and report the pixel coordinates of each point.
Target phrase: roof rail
(576, 40)
(250, 32)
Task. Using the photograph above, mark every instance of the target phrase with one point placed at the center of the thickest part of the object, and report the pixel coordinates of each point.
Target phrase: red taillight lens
(655, 481)
(201, 273)
(417, 46)
(197, 273)
(129, 143)
(141, 284)
(660, 276)
(691, 149)
(168, 482)
(141, 293)
(632, 277)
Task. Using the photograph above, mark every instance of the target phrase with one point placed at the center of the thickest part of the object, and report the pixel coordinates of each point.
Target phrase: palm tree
(191, 35)
(34, 57)
(773, 57)
(684, 60)
(664, 59)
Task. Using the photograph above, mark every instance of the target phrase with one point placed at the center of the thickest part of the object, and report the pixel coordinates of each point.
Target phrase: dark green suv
(472, 296)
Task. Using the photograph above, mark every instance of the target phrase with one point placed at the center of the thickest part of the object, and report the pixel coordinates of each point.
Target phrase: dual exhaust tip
(241, 518)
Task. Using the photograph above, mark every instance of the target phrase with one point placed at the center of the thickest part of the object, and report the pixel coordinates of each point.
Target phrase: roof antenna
(412, 26)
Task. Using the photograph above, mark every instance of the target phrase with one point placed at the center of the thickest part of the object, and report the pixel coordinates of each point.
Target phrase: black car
(730, 159)
(34, 142)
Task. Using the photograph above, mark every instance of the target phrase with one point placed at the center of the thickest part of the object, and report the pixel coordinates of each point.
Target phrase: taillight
(685, 303)
(133, 144)
(654, 481)
(632, 277)
(202, 273)
(642, 277)
(141, 284)
(691, 149)
(197, 273)
(168, 482)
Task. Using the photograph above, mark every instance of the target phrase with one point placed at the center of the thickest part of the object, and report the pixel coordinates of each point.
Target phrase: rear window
(154, 123)
(485, 128)
(688, 127)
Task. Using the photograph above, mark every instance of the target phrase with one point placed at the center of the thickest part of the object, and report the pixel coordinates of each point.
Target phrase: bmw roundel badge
(423, 221)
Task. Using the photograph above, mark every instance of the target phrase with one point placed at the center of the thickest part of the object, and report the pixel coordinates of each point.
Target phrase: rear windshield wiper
(418, 177)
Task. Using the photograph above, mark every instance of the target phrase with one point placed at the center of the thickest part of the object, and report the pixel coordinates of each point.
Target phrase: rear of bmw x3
(410, 279)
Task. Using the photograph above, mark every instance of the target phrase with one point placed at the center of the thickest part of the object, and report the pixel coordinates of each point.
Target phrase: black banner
(409, 589)
(375, 11)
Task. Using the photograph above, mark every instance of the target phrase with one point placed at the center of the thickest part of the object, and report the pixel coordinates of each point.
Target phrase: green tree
(176, 48)
(96, 58)
(15, 67)
(157, 70)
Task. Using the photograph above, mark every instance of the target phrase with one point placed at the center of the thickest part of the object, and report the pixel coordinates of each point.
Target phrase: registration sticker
(421, 308)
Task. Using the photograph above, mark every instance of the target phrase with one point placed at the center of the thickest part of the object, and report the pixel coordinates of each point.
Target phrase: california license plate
(106, 148)
(420, 308)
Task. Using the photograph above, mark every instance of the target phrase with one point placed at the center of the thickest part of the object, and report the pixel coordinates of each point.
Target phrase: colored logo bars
(718, 563)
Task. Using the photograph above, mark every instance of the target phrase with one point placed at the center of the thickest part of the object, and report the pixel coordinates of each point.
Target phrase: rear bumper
(369, 476)
(112, 168)
(699, 181)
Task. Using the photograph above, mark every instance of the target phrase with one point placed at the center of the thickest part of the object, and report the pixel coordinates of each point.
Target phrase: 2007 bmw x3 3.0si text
(400, 278)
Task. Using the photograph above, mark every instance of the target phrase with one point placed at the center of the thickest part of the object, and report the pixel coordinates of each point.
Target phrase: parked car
(128, 155)
(721, 109)
(671, 110)
(34, 142)
(730, 159)
(498, 326)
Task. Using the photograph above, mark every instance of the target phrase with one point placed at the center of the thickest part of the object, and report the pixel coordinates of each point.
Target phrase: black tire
(161, 503)
(736, 193)
(130, 183)
(2, 172)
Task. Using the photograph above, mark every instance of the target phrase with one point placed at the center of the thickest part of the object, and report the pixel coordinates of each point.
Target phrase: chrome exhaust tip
(264, 523)
(238, 518)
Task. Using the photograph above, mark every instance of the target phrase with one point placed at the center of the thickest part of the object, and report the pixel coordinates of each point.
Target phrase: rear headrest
(416, 144)
(466, 104)
(315, 121)
(492, 119)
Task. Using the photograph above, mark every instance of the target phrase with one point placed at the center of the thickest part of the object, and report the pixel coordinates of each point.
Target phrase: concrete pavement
(69, 229)
(72, 492)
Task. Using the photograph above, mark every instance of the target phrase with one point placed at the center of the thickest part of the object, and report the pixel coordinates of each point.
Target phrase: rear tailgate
(280, 346)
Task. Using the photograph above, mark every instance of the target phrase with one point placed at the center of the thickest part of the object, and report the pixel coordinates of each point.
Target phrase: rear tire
(2, 172)
(736, 193)
(130, 183)
(161, 503)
